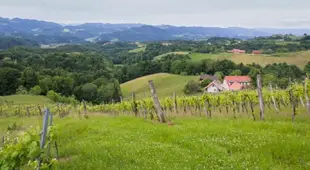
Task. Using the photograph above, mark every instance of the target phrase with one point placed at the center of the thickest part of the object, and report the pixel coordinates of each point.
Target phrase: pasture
(299, 59)
(165, 84)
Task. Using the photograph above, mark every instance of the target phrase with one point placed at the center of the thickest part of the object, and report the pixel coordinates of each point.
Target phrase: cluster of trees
(86, 76)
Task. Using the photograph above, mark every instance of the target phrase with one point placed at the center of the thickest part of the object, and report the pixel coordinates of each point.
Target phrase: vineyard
(294, 100)
(291, 104)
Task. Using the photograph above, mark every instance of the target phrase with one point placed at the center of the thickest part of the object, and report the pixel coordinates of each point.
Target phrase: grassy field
(141, 48)
(24, 99)
(165, 84)
(104, 142)
(178, 52)
(297, 58)
(137, 50)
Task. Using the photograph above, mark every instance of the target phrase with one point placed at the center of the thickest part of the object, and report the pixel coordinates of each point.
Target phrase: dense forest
(94, 71)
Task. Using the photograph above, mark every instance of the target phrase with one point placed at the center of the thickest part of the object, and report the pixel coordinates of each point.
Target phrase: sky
(222, 13)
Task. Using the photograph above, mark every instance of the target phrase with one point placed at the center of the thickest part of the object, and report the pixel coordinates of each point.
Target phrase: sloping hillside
(165, 85)
(24, 99)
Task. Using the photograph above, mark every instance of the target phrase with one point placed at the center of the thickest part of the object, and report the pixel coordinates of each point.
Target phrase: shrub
(192, 87)
(205, 82)
(36, 90)
(21, 90)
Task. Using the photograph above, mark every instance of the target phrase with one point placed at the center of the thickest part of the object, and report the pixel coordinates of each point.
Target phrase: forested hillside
(84, 76)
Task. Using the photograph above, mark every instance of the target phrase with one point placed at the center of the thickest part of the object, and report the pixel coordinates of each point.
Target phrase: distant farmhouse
(256, 52)
(230, 83)
(237, 51)
(166, 43)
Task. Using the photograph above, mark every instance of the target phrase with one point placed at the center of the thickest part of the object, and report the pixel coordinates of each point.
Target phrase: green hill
(296, 58)
(178, 52)
(24, 99)
(165, 85)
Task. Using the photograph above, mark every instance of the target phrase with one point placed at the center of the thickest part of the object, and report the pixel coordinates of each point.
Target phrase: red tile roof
(234, 82)
(237, 78)
(256, 52)
(237, 51)
(236, 86)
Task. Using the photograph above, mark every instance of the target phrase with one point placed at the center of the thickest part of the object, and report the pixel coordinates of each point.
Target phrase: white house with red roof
(214, 87)
(235, 83)
(238, 51)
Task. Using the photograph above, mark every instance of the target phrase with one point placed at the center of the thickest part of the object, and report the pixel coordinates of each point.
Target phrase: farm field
(106, 142)
(165, 84)
(296, 58)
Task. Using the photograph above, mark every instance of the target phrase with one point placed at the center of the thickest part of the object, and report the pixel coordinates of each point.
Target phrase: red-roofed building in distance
(235, 83)
(256, 52)
(238, 51)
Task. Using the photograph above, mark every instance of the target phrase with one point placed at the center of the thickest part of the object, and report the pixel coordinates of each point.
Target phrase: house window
(214, 89)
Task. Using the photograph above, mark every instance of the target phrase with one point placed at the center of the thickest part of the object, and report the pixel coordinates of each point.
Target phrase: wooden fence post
(260, 96)
(159, 110)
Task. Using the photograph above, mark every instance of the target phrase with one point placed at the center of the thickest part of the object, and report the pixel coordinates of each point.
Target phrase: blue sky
(223, 13)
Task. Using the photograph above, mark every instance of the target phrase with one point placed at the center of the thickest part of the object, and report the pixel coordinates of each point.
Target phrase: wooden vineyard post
(273, 99)
(260, 96)
(40, 111)
(134, 104)
(85, 109)
(43, 133)
(292, 99)
(158, 108)
(175, 106)
(28, 112)
(306, 96)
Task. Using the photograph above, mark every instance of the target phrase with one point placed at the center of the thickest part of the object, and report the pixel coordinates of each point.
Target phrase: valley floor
(107, 142)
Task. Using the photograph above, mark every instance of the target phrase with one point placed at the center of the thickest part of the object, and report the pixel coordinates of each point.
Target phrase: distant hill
(165, 85)
(160, 33)
(49, 32)
(284, 31)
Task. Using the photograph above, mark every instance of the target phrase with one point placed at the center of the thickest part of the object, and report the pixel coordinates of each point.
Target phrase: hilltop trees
(9, 80)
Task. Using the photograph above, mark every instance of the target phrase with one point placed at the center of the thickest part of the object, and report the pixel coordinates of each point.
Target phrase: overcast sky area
(223, 13)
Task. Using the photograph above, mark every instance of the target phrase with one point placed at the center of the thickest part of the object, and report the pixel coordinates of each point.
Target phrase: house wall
(212, 89)
(225, 85)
